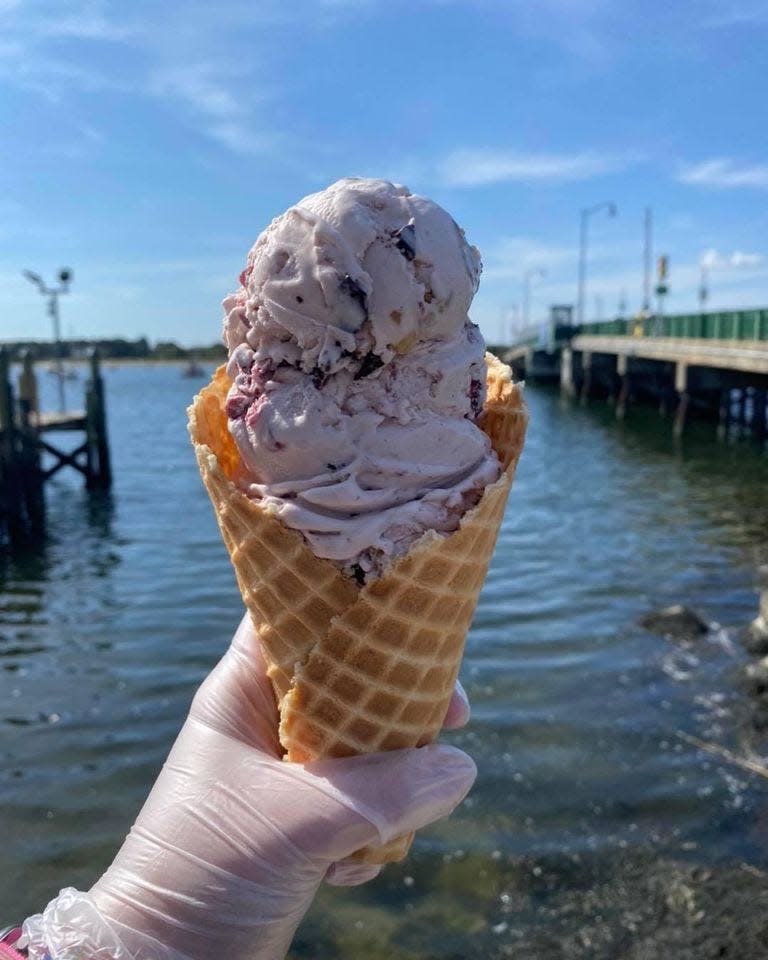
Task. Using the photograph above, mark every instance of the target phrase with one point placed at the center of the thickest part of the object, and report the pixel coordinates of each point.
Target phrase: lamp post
(510, 321)
(584, 216)
(52, 293)
(527, 277)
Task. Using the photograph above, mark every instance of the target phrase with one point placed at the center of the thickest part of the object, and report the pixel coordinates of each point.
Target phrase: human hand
(233, 843)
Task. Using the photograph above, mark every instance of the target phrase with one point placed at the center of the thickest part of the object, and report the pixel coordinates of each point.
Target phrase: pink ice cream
(357, 374)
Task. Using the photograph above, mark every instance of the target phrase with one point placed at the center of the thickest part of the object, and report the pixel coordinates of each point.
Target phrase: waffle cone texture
(358, 669)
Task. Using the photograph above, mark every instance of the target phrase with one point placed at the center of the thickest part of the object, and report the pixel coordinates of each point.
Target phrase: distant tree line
(114, 349)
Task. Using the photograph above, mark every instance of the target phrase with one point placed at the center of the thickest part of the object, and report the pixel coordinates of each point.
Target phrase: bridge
(714, 364)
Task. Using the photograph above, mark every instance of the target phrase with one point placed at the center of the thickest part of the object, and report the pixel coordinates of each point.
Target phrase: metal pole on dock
(53, 309)
(65, 277)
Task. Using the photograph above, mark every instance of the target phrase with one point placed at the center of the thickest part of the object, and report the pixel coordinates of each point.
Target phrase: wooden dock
(24, 448)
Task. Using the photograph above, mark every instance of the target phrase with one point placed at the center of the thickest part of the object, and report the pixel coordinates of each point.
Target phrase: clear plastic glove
(233, 843)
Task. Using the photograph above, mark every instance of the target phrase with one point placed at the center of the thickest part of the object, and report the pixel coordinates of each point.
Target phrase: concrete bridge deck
(748, 356)
(679, 373)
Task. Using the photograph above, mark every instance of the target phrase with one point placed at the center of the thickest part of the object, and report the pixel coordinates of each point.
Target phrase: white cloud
(241, 139)
(473, 168)
(725, 173)
(202, 88)
(713, 260)
(87, 24)
(512, 256)
(51, 78)
(739, 14)
(196, 86)
(205, 92)
(739, 259)
(32, 58)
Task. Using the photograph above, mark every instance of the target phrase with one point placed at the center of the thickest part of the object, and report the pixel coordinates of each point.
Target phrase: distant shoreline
(106, 362)
(115, 349)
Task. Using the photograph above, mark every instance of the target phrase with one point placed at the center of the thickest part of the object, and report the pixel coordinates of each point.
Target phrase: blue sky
(146, 144)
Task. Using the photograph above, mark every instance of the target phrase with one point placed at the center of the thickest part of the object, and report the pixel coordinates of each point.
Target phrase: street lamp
(52, 292)
(584, 216)
(527, 277)
(513, 319)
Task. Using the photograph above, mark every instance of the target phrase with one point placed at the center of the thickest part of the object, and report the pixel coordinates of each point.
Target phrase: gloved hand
(233, 843)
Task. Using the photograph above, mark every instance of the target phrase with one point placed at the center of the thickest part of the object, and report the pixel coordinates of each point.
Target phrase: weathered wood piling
(23, 444)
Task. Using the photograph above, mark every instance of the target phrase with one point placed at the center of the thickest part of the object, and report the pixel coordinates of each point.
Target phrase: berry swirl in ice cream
(357, 375)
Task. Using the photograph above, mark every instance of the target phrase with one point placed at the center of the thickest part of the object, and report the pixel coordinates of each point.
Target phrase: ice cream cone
(358, 669)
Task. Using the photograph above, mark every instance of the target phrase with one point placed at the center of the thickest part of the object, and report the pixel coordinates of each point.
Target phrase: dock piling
(724, 413)
(29, 450)
(100, 466)
(681, 387)
(586, 376)
(22, 445)
(12, 499)
(759, 424)
(622, 373)
(567, 380)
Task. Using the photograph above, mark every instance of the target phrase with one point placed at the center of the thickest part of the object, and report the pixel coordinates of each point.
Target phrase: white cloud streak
(202, 90)
(725, 174)
(512, 256)
(738, 14)
(714, 260)
(86, 24)
(476, 168)
(198, 87)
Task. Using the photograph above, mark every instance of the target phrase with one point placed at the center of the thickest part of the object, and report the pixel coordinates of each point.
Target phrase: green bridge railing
(727, 325)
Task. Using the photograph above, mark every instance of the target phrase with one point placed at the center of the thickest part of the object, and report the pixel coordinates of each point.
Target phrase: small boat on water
(193, 369)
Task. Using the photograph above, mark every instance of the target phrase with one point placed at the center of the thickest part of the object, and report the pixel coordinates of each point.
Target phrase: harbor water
(597, 828)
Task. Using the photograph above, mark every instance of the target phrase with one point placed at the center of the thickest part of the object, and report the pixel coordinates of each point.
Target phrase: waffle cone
(358, 669)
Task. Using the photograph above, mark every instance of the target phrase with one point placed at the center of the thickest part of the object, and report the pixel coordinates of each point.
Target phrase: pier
(25, 444)
(712, 365)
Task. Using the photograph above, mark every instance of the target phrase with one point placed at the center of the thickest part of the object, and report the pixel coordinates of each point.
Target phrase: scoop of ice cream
(357, 375)
(363, 263)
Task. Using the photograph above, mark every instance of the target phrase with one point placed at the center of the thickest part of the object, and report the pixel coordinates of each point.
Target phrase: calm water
(584, 783)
